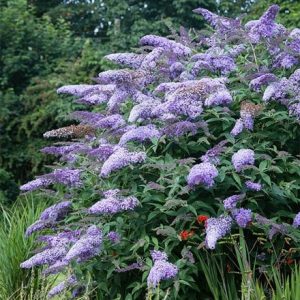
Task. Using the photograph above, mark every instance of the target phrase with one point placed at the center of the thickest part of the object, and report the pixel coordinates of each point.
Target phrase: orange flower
(202, 219)
(185, 234)
(289, 261)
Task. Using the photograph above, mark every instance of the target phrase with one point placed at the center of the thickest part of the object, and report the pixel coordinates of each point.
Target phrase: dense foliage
(184, 166)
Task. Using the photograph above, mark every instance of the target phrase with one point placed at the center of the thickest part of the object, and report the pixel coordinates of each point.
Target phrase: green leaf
(263, 165)
(237, 179)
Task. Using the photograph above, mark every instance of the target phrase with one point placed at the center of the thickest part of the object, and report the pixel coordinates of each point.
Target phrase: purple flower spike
(151, 59)
(69, 282)
(223, 63)
(76, 90)
(242, 216)
(87, 246)
(216, 228)
(140, 134)
(252, 186)
(45, 257)
(106, 206)
(35, 184)
(112, 204)
(166, 44)
(265, 27)
(115, 76)
(242, 159)
(65, 176)
(86, 117)
(296, 222)
(247, 120)
(110, 122)
(203, 173)
(221, 24)
(131, 60)
(57, 267)
(158, 255)
(210, 17)
(294, 41)
(63, 238)
(180, 128)
(114, 237)
(56, 211)
(119, 96)
(111, 193)
(129, 203)
(237, 50)
(265, 79)
(285, 60)
(162, 270)
(64, 150)
(219, 98)
(143, 111)
(294, 110)
(230, 202)
(176, 69)
(238, 127)
(50, 216)
(39, 225)
(120, 159)
(212, 155)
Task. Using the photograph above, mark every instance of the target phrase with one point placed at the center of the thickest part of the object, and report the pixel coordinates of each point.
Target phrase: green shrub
(190, 154)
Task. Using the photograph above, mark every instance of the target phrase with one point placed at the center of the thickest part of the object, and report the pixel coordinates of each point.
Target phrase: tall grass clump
(15, 247)
(180, 178)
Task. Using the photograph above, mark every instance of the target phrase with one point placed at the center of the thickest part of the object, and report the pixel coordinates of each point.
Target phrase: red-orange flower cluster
(185, 234)
(202, 219)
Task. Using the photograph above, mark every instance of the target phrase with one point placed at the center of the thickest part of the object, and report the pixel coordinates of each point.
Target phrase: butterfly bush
(188, 124)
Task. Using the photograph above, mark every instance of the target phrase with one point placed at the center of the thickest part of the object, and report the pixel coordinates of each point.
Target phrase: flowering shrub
(196, 137)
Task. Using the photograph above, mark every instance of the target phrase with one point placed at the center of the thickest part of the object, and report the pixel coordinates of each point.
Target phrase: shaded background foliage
(45, 44)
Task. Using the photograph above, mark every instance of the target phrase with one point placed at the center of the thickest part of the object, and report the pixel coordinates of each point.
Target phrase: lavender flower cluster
(242, 159)
(65, 176)
(113, 203)
(50, 216)
(286, 92)
(204, 173)
(216, 228)
(161, 269)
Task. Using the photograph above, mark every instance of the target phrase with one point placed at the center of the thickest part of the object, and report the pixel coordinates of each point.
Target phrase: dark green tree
(129, 18)
(30, 47)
